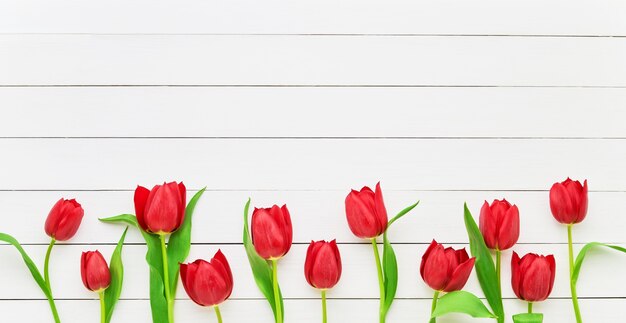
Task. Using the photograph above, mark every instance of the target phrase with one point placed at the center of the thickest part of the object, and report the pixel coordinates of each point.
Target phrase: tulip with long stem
(568, 203)
(96, 277)
(322, 268)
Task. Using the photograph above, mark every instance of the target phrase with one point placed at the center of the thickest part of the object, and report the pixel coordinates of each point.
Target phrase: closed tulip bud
(499, 224)
(366, 213)
(532, 276)
(445, 269)
(272, 234)
(64, 219)
(322, 267)
(162, 209)
(208, 283)
(568, 201)
(94, 271)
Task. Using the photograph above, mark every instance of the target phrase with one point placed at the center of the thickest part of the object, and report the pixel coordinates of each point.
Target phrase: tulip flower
(366, 213)
(367, 219)
(532, 277)
(162, 209)
(445, 269)
(322, 268)
(499, 225)
(568, 203)
(272, 234)
(208, 283)
(96, 276)
(64, 219)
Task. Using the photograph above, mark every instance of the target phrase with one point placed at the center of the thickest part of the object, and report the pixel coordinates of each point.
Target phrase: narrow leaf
(261, 269)
(112, 294)
(485, 267)
(180, 242)
(583, 252)
(528, 318)
(390, 263)
(158, 303)
(29, 263)
(461, 302)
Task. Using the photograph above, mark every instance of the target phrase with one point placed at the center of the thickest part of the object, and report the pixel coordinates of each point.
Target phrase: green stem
(498, 266)
(572, 285)
(433, 306)
(381, 282)
(46, 275)
(324, 306)
(102, 308)
(166, 281)
(279, 310)
(530, 307)
(218, 314)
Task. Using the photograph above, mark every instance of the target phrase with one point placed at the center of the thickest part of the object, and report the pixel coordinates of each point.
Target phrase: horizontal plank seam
(252, 190)
(318, 34)
(302, 298)
(294, 243)
(320, 137)
(320, 86)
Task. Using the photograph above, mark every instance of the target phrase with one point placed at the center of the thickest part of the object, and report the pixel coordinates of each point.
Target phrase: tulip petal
(436, 268)
(508, 232)
(560, 204)
(583, 204)
(360, 212)
(460, 276)
(381, 211)
(430, 248)
(141, 197)
(516, 276)
(488, 226)
(70, 222)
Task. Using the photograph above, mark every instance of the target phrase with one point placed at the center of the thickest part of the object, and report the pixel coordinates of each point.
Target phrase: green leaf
(29, 263)
(112, 294)
(158, 303)
(485, 267)
(180, 242)
(261, 269)
(461, 302)
(390, 263)
(528, 318)
(583, 252)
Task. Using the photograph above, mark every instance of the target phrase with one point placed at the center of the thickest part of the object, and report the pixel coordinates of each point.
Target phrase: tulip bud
(208, 283)
(366, 213)
(94, 271)
(532, 276)
(322, 267)
(499, 224)
(445, 269)
(271, 231)
(568, 201)
(162, 209)
(64, 219)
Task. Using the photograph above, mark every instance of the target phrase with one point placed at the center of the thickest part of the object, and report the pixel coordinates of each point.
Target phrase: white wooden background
(297, 102)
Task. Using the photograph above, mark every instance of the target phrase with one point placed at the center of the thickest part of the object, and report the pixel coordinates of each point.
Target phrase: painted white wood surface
(297, 102)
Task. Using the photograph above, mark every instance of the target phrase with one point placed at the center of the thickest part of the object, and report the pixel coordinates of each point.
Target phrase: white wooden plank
(321, 112)
(320, 215)
(598, 276)
(311, 164)
(305, 311)
(529, 17)
(311, 60)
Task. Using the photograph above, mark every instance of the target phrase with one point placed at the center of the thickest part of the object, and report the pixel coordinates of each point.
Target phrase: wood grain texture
(243, 60)
(312, 112)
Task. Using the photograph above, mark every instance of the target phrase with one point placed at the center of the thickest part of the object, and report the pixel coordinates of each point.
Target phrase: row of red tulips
(163, 212)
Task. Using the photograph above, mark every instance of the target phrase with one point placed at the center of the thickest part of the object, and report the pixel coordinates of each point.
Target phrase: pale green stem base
(279, 310)
(571, 272)
(530, 307)
(102, 307)
(166, 281)
(218, 314)
(381, 282)
(433, 306)
(324, 306)
(46, 275)
(498, 269)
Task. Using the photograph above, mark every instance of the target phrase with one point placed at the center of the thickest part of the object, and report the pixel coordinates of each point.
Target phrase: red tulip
(532, 276)
(322, 267)
(499, 224)
(162, 209)
(568, 201)
(94, 271)
(208, 283)
(64, 219)
(271, 231)
(366, 213)
(445, 269)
